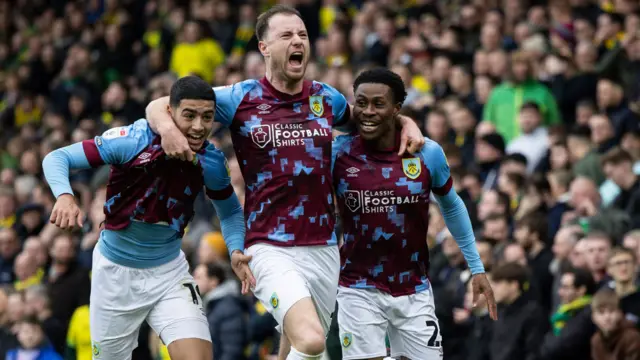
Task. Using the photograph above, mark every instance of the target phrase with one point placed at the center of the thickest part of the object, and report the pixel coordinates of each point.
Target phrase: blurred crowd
(536, 104)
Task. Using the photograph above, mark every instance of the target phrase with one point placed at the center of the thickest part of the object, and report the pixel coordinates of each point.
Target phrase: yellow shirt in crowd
(200, 58)
(79, 335)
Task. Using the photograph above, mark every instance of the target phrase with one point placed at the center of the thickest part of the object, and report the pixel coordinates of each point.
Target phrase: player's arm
(451, 205)
(219, 190)
(115, 146)
(457, 220)
(345, 123)
(174, 142)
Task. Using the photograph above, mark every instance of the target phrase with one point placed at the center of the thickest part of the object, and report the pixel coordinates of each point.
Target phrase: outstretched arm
(457, 220)
(115, 146)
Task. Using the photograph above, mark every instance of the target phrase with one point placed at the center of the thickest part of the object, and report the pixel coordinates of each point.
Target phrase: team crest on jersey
(95, 349)
(352, 199)
(261, 135)
(347, 339)
(316, 105)
(274, 301)
(411, 167)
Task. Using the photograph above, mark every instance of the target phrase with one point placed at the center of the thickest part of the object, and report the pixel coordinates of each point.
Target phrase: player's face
(374, 110)
(194, 118)
(286, 47)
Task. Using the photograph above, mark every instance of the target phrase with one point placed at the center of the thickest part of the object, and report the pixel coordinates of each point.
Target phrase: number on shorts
(432, 340)
(195, 291)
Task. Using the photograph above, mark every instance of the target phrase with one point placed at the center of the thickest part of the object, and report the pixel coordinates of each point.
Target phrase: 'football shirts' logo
(352, 199)
(375, 202)
(261, 135)
(411, 167)
(283, 135)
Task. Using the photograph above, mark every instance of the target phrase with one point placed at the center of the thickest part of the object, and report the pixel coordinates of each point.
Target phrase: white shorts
(285, 275)
(365, 316)
(122, 298)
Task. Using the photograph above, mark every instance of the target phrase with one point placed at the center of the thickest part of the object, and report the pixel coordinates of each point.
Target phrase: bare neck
(287, 87)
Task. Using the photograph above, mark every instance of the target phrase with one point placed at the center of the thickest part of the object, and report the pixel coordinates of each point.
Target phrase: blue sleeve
(436, 161)
(455, 213)
(120, 145)
(457, 220)
(339, 146)
(339, 106)
(115, 146)
(231, 218)
(228, 98)
(56, 166)
(217, 181)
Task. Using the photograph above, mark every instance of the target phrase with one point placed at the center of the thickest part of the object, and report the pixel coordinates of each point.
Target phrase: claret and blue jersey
(283, 145)
(384, 203)
(150, 197)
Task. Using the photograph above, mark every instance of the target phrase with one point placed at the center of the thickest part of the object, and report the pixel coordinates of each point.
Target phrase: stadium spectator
(520, 326)
(616, 337)
(225, 311)
(32, 342)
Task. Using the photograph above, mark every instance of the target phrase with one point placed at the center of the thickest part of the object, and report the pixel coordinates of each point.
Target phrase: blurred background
(536, 104)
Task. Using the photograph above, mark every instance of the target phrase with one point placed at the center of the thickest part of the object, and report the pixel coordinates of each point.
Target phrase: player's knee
(311, 342)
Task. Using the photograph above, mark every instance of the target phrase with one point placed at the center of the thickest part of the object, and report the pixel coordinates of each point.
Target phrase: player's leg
(320, 266)
(283, 290)
(363, 324)
(414, 332)
(118, 306)
(178, 316)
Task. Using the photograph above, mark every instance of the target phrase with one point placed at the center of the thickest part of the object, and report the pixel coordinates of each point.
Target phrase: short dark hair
(582, 277)
(616, 156)
(511, 272)
(605, 298)
(262, 24)
(190, 88)
(537, 223)
(530, 105)
(515, 157)
(383, 76)
(216, 271)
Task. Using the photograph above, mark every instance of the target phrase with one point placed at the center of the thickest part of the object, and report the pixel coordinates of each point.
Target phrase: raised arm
(457, 219)
(115, 146)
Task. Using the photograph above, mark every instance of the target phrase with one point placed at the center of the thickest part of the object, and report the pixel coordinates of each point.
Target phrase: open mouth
(195, 139)
(295, 59)
(369, 126)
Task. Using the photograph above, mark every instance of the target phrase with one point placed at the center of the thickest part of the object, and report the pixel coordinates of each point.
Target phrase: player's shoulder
(139, 130)
(211, 158)
(343, 142)
(211, 151)
(431, 151)
(238, 89)
(323, 89)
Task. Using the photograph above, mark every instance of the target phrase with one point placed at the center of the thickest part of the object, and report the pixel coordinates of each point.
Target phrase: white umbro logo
(263, 108)
(144, 157)
(353, 171)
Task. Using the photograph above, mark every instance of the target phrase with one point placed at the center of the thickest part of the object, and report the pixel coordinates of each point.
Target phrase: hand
(66, 214)
(240, 266)
(175, 145)
(480, 285)
(411, 139)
